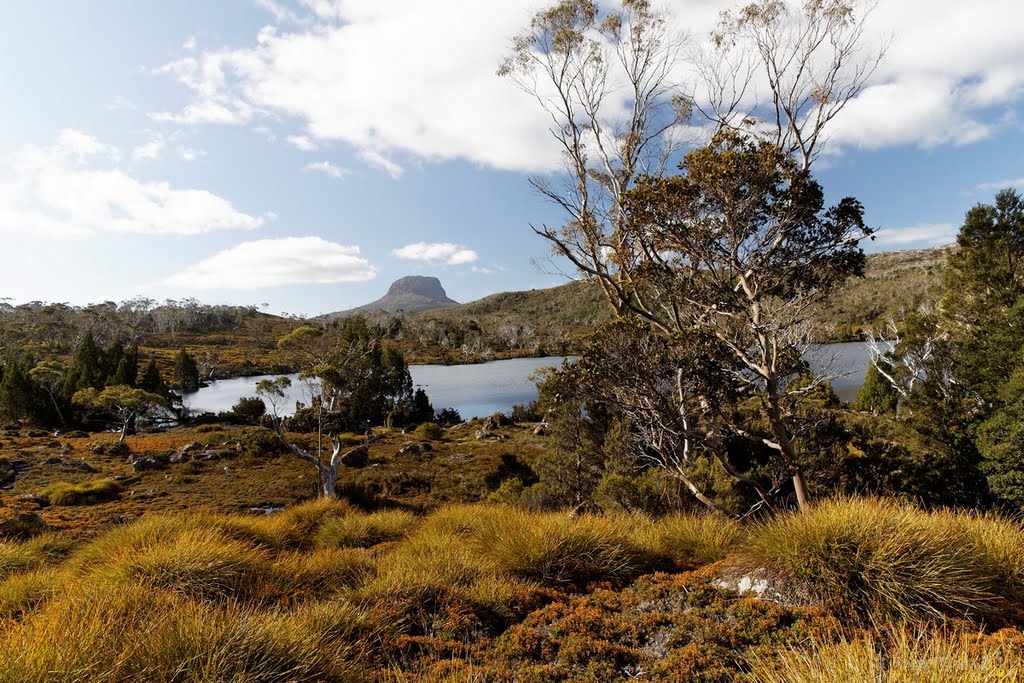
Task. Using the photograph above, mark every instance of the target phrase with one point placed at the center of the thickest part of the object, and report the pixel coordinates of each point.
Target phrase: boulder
(23, 525)
(409, 448)
(356, 457)
(7, 472)
(188, 452)
(145, 464)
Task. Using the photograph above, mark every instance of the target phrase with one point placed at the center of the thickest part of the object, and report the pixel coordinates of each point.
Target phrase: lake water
(474, 390)
(484, 388)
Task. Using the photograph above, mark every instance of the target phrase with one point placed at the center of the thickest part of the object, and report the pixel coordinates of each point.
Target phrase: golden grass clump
(321, 573)
(22, 593)
(200, 562)
(85, 493)
(299, 523)
(693, 541)
(558, 550)
(148, 635)
(365, 531)
(904, 657)
(881, 559)
(429, 559)
(15, 557)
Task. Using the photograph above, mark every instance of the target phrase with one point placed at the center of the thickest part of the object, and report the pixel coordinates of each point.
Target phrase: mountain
(409, 294)
(894, 284)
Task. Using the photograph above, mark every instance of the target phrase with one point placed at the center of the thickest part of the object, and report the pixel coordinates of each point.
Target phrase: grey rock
(356, 457)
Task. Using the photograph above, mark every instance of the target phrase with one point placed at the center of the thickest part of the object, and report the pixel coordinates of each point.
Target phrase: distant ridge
(409, 294)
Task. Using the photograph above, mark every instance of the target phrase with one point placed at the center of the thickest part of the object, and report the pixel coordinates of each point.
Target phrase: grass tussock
(365, 531)
(200, 562)
(693, 541)
(878, 559)
(14, 558)
(903, 657)
(22, 593)
(320, 573)
(555, 549)
(152, 635)
(86, 493)
(322, 592)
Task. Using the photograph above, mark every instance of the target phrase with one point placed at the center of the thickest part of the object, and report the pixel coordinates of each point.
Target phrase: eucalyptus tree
(732, 252)
(123, 404)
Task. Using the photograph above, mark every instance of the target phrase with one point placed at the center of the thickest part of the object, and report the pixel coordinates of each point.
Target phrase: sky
(301, 155)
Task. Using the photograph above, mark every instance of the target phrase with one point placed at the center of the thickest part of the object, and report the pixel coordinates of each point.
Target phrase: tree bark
(800, 487)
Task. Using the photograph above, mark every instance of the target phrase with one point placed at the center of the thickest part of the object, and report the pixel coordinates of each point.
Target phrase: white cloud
(74, 188)
(922, 234)
(394, 80)
(120, 102)
(302, 142)
(486, 270)
(149, 150)
(950, 72)
(191, 153)
(997, 185)
(406, 80)
(327, 167)
(437, 252)
(274, 262)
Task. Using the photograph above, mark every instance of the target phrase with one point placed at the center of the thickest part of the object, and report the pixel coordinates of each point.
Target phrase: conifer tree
(185, 373)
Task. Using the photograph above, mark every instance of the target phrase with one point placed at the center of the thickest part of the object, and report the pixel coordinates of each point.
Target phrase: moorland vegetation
(686, 501)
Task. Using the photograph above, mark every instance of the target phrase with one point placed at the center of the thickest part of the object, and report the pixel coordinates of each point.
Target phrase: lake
(485, 388)
(474, 390)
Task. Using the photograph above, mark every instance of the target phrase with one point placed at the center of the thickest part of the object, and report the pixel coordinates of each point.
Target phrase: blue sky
(305, 154)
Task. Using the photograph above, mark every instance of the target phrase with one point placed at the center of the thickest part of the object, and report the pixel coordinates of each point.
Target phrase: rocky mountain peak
(420, 285)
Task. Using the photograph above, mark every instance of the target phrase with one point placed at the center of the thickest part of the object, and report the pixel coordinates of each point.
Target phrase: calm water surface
(484, 388)
(474, 390)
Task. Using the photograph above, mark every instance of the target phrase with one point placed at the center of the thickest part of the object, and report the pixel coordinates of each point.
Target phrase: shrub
(260, 441)
(448, 416)
(508, 493)
(86, 493)
(526, 413)
(662, 628)
(249, 410)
